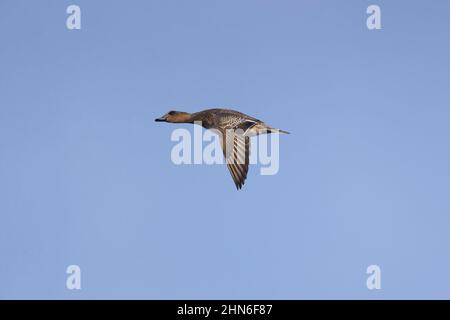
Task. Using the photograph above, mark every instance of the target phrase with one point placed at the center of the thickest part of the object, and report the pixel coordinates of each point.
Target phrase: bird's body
(222, 118)
(235, 129)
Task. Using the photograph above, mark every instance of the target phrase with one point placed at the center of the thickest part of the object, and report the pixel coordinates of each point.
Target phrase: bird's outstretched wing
(236, 150)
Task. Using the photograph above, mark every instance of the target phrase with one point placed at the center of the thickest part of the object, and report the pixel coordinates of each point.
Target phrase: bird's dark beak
(162, 119)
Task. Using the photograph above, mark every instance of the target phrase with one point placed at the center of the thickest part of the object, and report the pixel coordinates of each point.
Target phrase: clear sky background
(86, 176)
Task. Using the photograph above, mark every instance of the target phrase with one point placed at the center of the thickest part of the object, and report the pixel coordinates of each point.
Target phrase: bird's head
(175, 117)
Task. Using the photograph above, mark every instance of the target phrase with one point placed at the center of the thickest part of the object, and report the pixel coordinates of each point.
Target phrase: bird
(235, 129)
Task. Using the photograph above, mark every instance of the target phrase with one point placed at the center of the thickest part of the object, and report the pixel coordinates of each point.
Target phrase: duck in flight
(235, 129)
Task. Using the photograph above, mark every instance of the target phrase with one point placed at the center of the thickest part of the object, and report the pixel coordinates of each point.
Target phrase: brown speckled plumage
(235, 128)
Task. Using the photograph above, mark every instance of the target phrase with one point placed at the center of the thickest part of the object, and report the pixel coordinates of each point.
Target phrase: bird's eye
(171, 113)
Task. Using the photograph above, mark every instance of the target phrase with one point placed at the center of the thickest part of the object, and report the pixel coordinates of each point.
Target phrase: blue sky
(86, 176)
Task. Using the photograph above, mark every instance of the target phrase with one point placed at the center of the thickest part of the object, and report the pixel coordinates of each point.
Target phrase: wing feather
(236, 150)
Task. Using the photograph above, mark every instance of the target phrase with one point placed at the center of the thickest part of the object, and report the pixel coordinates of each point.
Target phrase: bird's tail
(262, 128)
(274, 130)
